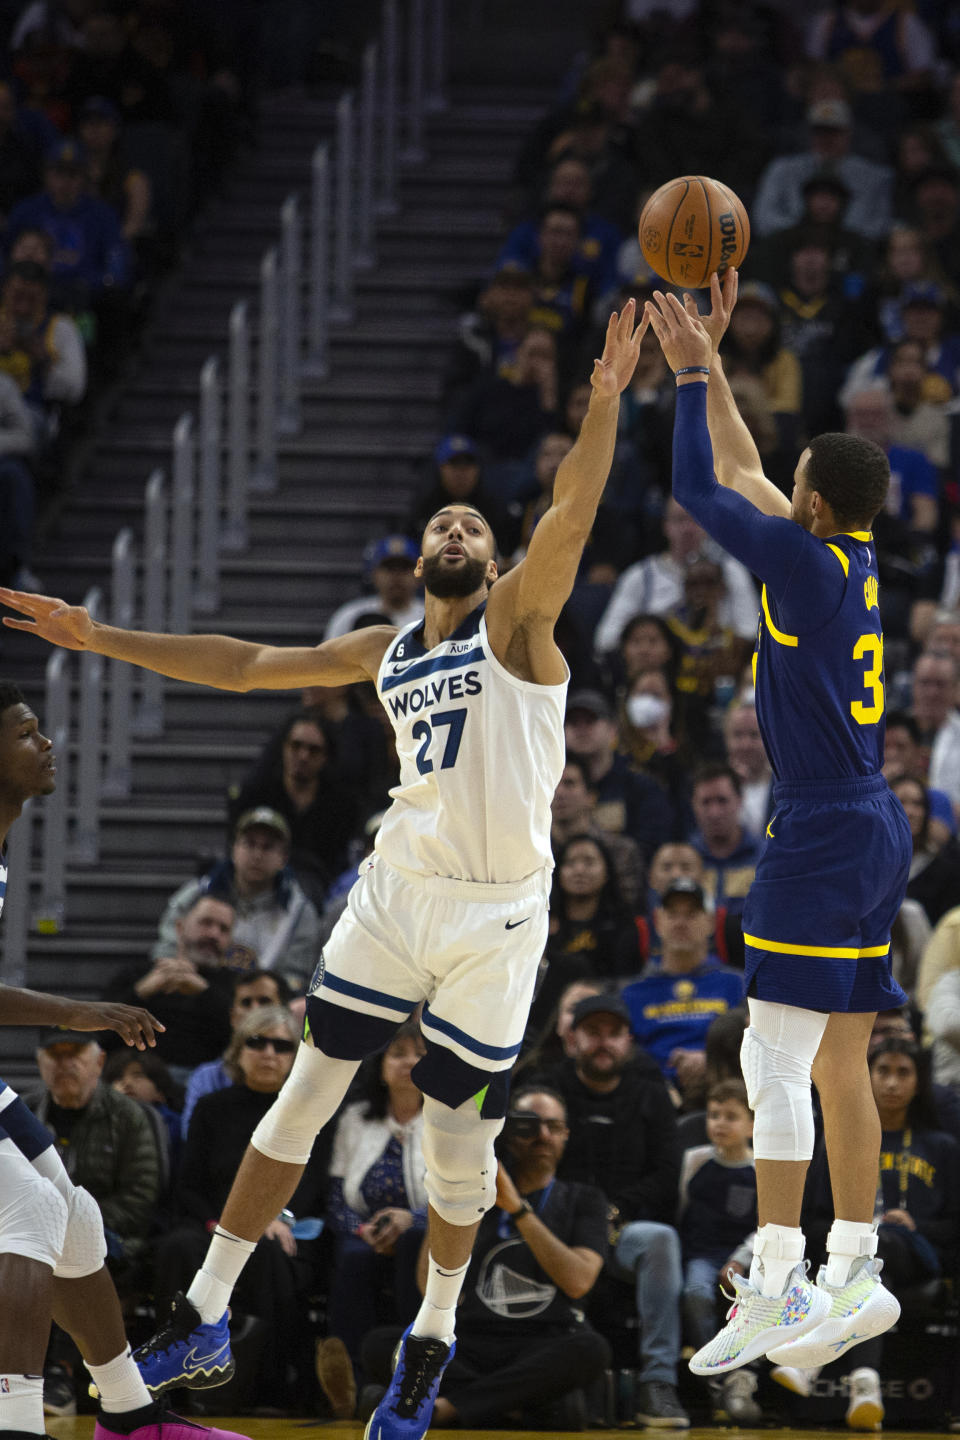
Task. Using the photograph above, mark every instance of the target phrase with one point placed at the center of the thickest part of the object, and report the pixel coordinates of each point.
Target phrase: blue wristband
(693, 370)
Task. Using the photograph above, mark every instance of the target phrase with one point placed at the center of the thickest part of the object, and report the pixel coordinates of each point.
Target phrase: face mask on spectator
(646, 710)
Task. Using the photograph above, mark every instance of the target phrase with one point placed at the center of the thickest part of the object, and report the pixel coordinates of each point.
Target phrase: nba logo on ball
(691, 228)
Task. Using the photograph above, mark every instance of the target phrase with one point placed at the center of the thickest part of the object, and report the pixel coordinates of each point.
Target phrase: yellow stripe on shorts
(838, 952)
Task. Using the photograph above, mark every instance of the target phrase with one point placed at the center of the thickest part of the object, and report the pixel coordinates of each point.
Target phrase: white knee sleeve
(309, 1097)
(84, 1249)
(33, 1215)
(778, 1051)
(461, 1179)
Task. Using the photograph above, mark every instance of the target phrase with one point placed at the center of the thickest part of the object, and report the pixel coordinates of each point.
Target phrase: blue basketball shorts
(829, 884)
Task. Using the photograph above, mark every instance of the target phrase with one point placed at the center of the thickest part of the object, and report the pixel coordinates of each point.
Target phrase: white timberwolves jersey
(481, 754)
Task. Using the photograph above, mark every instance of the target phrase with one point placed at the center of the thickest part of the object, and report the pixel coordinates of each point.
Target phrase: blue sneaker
(185, 1351)
(405, 1411)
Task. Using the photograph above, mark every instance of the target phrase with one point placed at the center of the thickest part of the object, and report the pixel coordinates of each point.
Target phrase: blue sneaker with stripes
(187, 1352)
(405, 1411)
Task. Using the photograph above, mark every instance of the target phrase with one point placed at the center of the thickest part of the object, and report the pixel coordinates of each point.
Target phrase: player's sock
(21, 1404)
(436, 1316)
(777, 1250)
(212, 1286)
(847, 1242)
(120, 1384)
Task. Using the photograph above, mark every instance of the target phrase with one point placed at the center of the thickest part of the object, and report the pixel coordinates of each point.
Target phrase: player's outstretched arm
(542, 583)
(736, 459)
(216, 660)
(32, 1007)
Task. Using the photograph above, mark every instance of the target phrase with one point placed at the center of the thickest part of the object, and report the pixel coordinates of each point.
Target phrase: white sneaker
(865, 1411)
(799, 1382)
(755, 1322)
(858, 1310)
(738, 1398)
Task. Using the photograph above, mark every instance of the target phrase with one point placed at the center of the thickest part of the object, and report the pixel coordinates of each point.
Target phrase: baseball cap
(391, 547)
(759, 293)
(53, 1035)
(263, 815)
(66, 155)
(592, 701)
(101, 107)
(685, 885)
(599, 1005)
(830, 115)
(919, 294)
(452, 446)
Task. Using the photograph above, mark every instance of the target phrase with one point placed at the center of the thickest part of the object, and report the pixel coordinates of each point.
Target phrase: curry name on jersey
(481, 753)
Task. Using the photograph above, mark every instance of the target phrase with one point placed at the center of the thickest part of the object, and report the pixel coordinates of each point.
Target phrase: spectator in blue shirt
(728, 852)
(676, 999)
(570, 184)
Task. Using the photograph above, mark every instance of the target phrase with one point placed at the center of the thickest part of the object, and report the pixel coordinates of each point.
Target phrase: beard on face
(445, 584)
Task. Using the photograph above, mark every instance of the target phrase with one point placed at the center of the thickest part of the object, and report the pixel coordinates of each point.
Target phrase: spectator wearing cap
(298, 776)
(458, 480)
(90, 254)
(105, 1140)
(728, 851)
(109, 173)
(914, 493)
(654, 585)
(489, 335)
(779, 198)
(628, 802)
(681, 993)
(388, 565)
(189, 987)
(623, 1139)
(923, 316)
(753, 346)
(272, 914)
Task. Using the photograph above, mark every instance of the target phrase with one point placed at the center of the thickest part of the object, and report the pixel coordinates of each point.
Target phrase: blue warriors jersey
(820, 693)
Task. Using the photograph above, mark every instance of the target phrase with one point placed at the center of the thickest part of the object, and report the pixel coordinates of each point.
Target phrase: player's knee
(461, 1165)
(310, 1095)
(33, 1218)
(776, 1057)
(84, 1247)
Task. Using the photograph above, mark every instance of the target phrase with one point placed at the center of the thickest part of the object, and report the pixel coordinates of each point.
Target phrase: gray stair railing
(49, 914)
(207, 597)
(85, 844)
(264, 478)
(148, 718)
(116, 778)
(291, 280)
(182, 527)
(236, 536)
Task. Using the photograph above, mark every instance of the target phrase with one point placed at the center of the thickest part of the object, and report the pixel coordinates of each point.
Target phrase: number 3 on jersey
(869, 647)
(423, 731)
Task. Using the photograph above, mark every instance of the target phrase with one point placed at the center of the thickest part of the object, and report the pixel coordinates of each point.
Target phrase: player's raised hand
(683, 338)
(51, 619)
(722, 300)
(135, 1026)
(614, 370)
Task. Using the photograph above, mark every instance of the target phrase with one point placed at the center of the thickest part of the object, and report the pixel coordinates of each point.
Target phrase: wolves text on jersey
(435, 692)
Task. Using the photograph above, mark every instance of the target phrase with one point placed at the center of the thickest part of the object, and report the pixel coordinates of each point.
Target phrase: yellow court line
(839, 952)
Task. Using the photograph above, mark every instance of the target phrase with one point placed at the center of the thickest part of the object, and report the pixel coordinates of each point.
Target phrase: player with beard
(451, 910)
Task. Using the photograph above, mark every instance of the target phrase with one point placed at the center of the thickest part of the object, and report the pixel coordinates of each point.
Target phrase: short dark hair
(852, 475)
(903, 720)
(250, 977)
(523, 1091)
(30, 270)
(922, 1110)
(715, 770)
(581, 763)
(559, 207)
(730, 1089)
(10, 694)
(153, 1068)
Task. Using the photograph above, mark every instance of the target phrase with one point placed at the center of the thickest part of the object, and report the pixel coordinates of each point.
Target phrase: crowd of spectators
(628, 1137)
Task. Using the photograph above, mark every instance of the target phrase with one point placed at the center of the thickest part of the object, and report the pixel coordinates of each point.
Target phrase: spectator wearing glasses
(276, 1279)
(252, 990)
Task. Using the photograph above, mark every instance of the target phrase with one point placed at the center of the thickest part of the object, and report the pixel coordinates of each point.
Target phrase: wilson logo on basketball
(728, 238)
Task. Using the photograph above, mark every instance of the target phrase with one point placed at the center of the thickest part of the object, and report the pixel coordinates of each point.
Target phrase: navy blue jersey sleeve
(800, 573)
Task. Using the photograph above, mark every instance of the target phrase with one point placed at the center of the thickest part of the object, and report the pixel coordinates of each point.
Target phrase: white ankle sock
(436, 1316)
(120, 1384)
(847, 1242)
(213, 1284)
(21, 1403)
(776, 1251)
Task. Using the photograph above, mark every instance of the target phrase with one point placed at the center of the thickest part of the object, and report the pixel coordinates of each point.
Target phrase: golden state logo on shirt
(684, 990)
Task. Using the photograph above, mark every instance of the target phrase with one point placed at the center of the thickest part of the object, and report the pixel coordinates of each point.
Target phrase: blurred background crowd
(839, 127)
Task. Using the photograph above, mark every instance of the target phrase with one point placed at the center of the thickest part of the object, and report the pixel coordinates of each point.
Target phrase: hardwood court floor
(81, 1428)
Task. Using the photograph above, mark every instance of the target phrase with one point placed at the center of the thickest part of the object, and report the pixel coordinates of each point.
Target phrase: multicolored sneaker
(858, 1310)
(756, 1322)
(405, 1411)
(187, 1352)
(162, 1425)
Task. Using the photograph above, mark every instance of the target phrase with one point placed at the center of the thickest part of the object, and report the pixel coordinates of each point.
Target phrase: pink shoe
(167, 1426)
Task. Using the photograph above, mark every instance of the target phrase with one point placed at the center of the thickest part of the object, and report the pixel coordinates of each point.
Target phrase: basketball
(691, 227)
